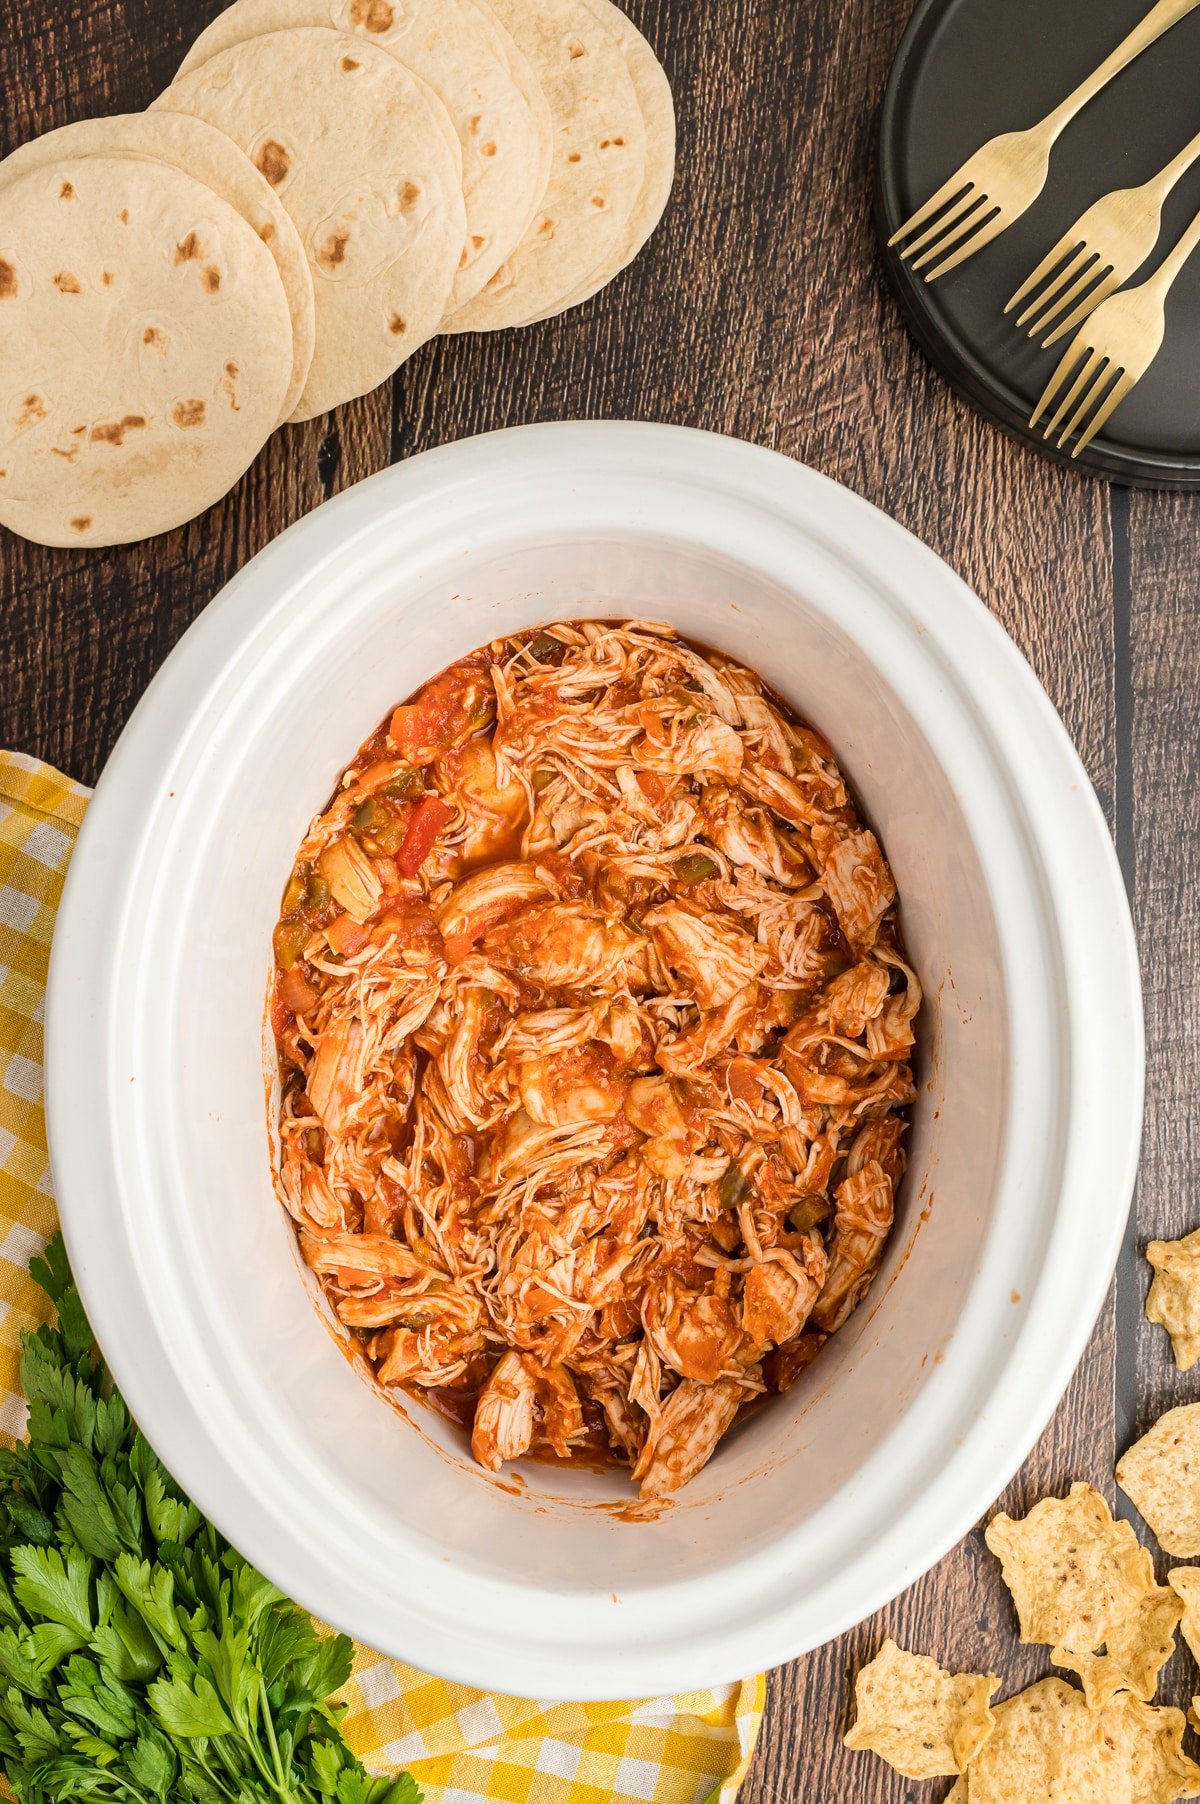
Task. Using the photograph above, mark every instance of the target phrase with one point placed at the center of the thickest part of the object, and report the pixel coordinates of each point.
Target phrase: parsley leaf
(142, 1660)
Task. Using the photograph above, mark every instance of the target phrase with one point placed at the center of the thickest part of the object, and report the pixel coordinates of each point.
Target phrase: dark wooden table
(758, 310)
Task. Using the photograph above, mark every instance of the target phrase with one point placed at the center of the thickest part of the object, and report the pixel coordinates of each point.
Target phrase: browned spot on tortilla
(82, 522)
(575, 51)
(397, 325)
(610, 143)
(335, 250)
(410, 194)
(112, 432)
(33, 409)
(108, 278)
(350, 63)
(211, 278)
(231, 369)
(574, 157)
(66, 283)
(477, 243)
(69, 455)
(488, 149)
(123, 216)
(598, 200)
(78, 431)
(273, 161)
(187, 248)
(188, 413)
(372, 15)
(8, 281)
(546, 229)
(67, 191)
(151, 336)
(266, 231)
(476, 121)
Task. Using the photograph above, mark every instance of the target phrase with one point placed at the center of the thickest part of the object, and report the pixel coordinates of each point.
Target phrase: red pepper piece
(428, 818)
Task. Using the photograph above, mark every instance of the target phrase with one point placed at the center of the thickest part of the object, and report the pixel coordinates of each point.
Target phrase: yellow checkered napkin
(460, 1744)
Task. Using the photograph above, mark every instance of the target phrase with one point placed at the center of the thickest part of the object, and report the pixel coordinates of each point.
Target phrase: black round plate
(968, 69)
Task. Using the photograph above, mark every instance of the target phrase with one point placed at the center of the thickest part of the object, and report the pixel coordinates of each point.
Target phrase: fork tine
(1083, 381)
(1079, 292)
(959, 184)
(1066, 246)
(1086, 307)
(991, 228)
(964, 224)
(1105, 411)
(1083, 260)
(955, 212)
(1106, 375)
(1069, 362)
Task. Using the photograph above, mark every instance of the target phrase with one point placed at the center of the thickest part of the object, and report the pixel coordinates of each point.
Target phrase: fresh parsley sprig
(142, 1660)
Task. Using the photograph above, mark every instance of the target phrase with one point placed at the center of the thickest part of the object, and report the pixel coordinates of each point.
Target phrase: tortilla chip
(1080, 1582)
(1174, 1300)
(923, 1721)
(1161, 1476)
(1048, 1748)
(1185, 1582)
(1137, 1650)
(1160, 1772)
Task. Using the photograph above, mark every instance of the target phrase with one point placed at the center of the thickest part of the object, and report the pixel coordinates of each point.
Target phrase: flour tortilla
(658, 111)
(457, 49)
(356, 151)
(146, 343)
(597, 171)
(526, 78)
(210, 157)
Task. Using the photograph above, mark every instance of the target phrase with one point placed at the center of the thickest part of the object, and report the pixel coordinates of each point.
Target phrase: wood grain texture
(759, 309)
(1165, 682)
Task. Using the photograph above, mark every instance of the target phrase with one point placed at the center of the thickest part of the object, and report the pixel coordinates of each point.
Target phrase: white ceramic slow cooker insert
(828, 1502)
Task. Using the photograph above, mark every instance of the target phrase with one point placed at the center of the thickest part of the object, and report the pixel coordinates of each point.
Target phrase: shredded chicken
(595, 1032)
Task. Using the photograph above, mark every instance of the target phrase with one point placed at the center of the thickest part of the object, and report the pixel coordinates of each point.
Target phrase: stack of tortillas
(326, 185)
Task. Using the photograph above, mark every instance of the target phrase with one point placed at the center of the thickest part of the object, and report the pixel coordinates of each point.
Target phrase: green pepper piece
(547, 649)
(289, 940)
(316, 893)
(402, 788)
(734, 1187)
(696, 867)
(809, 1213)
(295, 890)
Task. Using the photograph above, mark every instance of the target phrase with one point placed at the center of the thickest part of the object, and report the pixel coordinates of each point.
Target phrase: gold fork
(1100, 252)
(1116, 347)
(1001, 182)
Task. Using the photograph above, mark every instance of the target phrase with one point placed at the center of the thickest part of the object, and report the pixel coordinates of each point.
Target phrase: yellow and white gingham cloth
(459, 1744)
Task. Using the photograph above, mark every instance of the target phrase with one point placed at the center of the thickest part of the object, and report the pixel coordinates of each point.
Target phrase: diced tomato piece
(445, 713)
(346, 935)
(281, 1018)
(428, 819)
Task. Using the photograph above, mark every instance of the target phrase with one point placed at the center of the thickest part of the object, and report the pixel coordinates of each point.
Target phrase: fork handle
(1168, 272)
(1159, 19)
(1178, 167)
